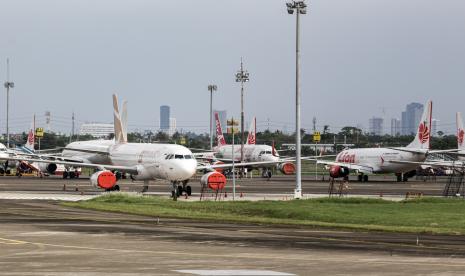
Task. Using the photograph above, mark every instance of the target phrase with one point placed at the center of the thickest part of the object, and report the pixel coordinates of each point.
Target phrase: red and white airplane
(142, 161)
(401, 161)
(266, 156)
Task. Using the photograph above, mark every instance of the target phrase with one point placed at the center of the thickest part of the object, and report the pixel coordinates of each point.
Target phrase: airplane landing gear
(267, 173)
(186, 188)
(362, 178)
(146, 186)
(175, 191)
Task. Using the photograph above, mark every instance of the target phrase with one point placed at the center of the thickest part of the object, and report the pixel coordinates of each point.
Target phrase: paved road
(40, 237)
(282, 185)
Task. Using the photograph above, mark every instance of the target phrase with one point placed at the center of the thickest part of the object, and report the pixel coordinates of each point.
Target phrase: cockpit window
(262, 152)
(169, 156)
(178, 156)
(188, 156)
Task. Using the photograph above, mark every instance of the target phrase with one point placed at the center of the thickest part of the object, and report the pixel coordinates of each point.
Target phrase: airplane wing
(449, 164)
(356, 167)
(89, 151)
(132, 169)
(238, 164)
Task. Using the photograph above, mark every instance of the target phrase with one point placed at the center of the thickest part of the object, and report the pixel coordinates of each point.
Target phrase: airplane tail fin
(460, 132)
(251, 137)
(423, 137)
(30, 138)
(219, 132)
(273, 149)
(120, 135)
(124, 120)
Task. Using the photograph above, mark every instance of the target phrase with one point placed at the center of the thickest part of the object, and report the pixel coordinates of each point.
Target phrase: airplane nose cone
(185, 170)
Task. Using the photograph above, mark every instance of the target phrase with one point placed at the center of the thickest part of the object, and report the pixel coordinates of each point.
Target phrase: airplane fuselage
(252, 153)
(153, 161)
(378, 159)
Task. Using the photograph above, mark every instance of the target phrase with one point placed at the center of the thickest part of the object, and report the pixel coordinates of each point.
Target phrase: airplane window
(178, 156)
(169, 156)
(188, 156)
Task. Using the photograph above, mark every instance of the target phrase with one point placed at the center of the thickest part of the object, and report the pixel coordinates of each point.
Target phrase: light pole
(211, 88)
(8, 84)
(242, 76)
(300, 8)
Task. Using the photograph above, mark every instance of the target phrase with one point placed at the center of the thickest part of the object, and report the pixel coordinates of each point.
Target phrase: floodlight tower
(300, 8)
(211, 88)
(8, 84)
(242, 76)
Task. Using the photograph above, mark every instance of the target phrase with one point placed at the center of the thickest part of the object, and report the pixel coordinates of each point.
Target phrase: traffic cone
(225, 195)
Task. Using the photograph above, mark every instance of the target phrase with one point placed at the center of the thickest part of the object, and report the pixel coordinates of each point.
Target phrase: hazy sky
(359, 57)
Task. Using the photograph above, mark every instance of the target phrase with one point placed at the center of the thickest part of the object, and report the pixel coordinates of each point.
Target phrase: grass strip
(426, 215)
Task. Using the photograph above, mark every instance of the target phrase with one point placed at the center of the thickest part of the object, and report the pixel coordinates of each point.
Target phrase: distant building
(395, 127)
(165, 118)
(375, 126)
(172, 128)
(434, 127)
(97, 130)
(411, 118)
(223, 118)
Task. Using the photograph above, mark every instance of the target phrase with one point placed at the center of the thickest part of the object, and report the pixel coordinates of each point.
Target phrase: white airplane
(399, 160)
(459, 152)
(146, 162)
(252, 152)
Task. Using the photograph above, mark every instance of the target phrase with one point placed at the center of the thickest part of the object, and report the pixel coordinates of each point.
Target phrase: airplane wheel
(365, 178)
(116, 188)
(72, 175)
(8, 171)
(360, 177)
(399, 178)
(180, 190)
(189, 190)
(65, 174)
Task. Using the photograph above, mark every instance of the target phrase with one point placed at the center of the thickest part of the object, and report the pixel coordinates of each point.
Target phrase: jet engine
(213, 180)
(49, 168)
(220, 170)
(338, 171)
(287, 168)
(104, 179)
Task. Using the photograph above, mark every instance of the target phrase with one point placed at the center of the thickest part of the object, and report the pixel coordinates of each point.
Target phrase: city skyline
(60, 62)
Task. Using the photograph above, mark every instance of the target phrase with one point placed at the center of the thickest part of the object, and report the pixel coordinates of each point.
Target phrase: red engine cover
(338, 171)
(287, 168)
(106, 179)
(214, 180)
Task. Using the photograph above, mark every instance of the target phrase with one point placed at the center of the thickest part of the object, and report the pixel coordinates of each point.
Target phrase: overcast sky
(359, 58)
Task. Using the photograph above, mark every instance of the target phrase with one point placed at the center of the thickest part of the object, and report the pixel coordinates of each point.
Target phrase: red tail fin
(251, 138)
(219, 131)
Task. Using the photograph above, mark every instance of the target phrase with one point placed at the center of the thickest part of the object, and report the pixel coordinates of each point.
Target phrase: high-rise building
(172, 128)
(411, 118)
(395, 127)
(164, 118)
(434, 127)
(375, 126)
(223, 118)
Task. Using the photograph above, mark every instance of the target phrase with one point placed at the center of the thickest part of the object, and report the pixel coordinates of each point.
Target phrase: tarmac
(41, 236)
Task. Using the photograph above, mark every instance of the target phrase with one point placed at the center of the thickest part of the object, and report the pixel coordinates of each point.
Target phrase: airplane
(142, 161)
(459, 152)
(401, 161)
(266, 155)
